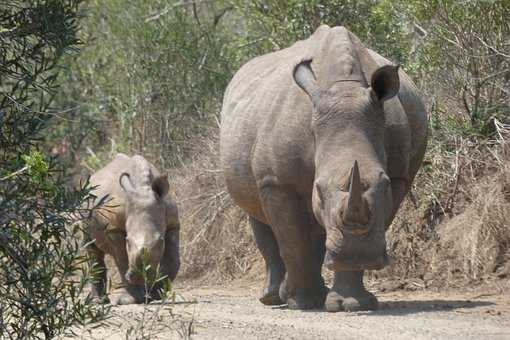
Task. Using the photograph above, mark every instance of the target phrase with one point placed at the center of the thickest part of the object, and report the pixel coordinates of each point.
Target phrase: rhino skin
(319, 144)
(137, 215)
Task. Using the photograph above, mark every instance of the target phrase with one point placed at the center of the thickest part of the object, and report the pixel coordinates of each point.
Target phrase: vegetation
(40, 294)
(149, 79)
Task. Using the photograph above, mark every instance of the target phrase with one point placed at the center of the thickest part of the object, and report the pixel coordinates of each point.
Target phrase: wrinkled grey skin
(320, 142)
(138, 216)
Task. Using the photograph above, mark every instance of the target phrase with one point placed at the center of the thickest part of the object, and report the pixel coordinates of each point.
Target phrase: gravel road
(235, 313)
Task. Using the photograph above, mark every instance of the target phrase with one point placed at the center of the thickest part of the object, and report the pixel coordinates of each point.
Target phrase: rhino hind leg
(349, 294)
(98, 284)
(275, 268)
(303, 286)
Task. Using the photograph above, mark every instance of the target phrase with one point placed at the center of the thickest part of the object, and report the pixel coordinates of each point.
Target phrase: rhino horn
(355, 190)
(356, 210)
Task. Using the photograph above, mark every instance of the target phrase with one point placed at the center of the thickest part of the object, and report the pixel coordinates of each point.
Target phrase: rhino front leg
(170, 262)
(126, 293)
(96, 263)
(275, 269)
(349, 294)
(303, 287)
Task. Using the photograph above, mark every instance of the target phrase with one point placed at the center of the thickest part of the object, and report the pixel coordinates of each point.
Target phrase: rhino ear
(127, 185)
(385, 82)
(160, 185)
(305, 78)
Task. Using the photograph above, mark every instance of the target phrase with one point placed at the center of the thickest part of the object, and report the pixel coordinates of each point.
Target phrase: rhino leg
(275, 269)
(303, 286)
(170, 262)
(349, 294)
(319, 250)
(127, 293)
(98, 284)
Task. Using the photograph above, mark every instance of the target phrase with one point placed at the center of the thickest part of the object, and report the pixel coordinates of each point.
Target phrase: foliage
(153, 73)
(150, 76)
(40, 294)
(380, 24)
(468, 44)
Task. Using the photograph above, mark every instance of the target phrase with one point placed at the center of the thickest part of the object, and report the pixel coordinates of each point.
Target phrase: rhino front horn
(355, 189)
(356, 211)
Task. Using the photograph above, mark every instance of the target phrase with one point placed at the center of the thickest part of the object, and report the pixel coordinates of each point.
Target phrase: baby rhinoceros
(137, 225)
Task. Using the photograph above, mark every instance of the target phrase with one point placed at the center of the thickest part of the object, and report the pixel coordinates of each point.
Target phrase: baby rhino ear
(385, 82)
(160, 185)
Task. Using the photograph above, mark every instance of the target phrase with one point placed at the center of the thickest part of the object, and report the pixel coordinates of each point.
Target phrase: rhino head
(351, 197)
(145, 224)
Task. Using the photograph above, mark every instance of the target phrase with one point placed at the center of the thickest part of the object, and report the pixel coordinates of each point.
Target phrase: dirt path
(235, 313)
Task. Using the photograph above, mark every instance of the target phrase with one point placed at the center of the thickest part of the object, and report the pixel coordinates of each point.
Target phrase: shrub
(40, 294)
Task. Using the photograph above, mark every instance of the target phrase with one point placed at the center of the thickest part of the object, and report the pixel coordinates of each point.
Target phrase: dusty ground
(233, 312)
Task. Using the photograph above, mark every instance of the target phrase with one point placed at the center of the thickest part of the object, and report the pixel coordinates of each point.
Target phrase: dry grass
(458, 232)
(216, 241)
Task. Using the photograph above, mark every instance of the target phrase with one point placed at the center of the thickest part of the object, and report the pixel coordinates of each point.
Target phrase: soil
(234, 312)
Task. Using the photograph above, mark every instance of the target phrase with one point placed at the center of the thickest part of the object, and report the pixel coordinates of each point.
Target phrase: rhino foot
(304, 298)
(99, 299)
(271, 296)
(350, 302)
(158, 292)
(127, 296)
(98, 294)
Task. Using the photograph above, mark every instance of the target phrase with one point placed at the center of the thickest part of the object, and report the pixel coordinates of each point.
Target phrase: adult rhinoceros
(138, 220)
(319, 145)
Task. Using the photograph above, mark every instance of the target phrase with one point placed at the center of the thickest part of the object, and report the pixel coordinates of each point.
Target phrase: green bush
(468, 50)
(151, 77)
(40, 292)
